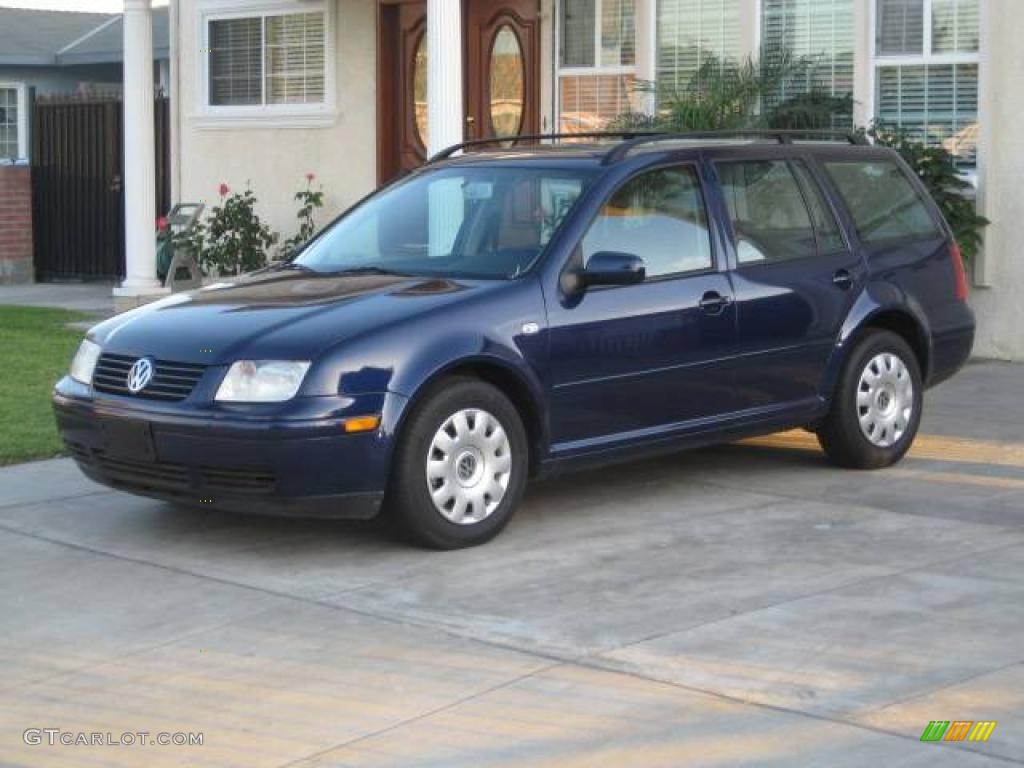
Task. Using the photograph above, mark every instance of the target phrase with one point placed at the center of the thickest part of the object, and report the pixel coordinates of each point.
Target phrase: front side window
(597, 62)
(267, 60)
(658, 216)
(882, 201)
(927, 58)
(487, 223)
(767, 209)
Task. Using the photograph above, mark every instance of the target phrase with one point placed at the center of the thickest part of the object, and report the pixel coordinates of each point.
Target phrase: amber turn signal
(361, 423)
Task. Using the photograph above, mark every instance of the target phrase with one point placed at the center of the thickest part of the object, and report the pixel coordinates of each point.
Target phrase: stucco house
(265, 91)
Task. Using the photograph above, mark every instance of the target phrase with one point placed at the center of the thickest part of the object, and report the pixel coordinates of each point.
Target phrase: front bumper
(292, 467)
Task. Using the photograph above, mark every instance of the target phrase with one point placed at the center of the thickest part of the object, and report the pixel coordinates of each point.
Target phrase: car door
(631, 361)
(794, 275)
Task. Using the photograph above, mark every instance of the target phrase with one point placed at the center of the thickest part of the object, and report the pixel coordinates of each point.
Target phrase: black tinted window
(658, 216)
(882, 201)
(767, 209)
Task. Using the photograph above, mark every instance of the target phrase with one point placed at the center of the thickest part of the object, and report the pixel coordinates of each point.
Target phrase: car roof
(610, 149)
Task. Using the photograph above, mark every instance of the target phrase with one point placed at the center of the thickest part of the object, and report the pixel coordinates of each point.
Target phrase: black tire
(409, 501)
(840, 433)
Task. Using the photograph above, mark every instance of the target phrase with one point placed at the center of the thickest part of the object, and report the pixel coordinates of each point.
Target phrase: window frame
(21, 96)
(575, 260)
(558, 71)
(830, 207)
(264, 115)
(927, 58)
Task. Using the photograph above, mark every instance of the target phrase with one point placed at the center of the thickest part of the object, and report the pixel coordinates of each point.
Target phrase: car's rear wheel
(460, 466)
(876, 409)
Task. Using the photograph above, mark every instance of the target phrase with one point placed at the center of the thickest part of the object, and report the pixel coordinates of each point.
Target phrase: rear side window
(768, 212)
(830, 239)
(658, 216)
(882, 201)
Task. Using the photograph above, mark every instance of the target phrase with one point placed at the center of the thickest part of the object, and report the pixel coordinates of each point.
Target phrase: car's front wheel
(460, 467)
(876, 409)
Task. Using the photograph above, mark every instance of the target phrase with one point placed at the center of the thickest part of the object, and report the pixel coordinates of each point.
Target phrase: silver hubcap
(468, 466)
(885, 399)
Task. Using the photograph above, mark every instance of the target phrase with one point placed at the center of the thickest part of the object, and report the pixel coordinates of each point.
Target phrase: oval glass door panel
(506, 83)
(419, 90)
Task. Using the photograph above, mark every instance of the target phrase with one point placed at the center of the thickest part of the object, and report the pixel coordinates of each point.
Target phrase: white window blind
(597, 63)
(267, 60)
(691, 31)
(926, 71)
(899, 27)
(821, 30)
(955, 26)
(938, 102)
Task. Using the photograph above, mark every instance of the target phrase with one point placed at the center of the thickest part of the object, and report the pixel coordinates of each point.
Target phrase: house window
(13, 123)
(821, 31)
(271, 61)
(927, 56)
(692, 32)
(597, 62)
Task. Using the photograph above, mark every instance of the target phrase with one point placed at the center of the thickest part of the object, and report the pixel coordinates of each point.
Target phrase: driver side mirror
(613, 268)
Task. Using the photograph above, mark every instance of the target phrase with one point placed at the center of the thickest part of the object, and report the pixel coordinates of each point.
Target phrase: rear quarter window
(883, 202)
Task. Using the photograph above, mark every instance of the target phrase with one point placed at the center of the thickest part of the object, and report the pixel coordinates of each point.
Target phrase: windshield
(479, 222)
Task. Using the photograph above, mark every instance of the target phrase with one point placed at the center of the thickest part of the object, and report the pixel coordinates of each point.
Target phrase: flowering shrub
(233, 239)
(311, 200)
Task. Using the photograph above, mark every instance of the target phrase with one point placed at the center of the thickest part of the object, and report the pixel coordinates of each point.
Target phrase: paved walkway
(93, 298)
(747, 604)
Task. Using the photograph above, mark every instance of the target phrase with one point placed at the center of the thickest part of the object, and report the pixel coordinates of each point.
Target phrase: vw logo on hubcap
(140, 375)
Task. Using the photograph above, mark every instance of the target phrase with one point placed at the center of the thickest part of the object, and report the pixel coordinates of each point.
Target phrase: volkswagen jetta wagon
(508, 312)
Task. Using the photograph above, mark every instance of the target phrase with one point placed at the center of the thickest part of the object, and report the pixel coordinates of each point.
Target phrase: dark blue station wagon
(509, 312)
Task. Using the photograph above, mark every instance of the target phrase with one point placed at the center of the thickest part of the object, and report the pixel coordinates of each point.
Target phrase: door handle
(713, 303)
(842, 279)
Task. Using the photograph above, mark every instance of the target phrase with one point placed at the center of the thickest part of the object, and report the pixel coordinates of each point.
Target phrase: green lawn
(35, 350)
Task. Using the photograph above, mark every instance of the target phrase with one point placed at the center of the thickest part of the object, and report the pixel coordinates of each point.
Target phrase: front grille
(177, 479)
(172, 382)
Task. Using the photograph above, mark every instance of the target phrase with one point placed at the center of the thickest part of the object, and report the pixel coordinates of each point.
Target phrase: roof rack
(633, 139)
(617, 153)
(626, 135)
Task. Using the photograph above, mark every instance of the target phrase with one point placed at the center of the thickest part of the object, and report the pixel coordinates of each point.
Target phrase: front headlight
(262, 381)
(84, 362)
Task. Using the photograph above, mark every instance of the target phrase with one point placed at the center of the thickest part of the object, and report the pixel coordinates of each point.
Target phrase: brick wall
(15, 224)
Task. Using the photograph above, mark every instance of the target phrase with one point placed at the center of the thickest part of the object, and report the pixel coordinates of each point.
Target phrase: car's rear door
(629, 362)
(794, 274)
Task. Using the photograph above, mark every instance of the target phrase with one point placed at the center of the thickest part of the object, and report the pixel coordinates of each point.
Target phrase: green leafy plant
(724, 94)
(233, 239)
(310, 200)
(937, 169)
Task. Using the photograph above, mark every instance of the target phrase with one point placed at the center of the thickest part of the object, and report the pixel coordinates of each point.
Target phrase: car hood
(277, 315)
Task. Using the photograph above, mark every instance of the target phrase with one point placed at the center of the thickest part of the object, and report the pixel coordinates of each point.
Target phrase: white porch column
(139, 154)
(444, 74)
(646, 55)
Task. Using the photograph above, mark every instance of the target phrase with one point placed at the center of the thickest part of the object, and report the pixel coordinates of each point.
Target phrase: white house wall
(272, 159)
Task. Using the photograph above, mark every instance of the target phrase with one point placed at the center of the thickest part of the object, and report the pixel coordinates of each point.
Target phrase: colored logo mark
(958, 730)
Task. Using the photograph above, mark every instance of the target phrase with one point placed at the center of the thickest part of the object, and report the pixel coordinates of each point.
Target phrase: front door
(501, 60)
(502, 67)
(640, 360)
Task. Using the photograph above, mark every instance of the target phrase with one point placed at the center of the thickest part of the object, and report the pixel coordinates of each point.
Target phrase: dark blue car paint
(600, 375)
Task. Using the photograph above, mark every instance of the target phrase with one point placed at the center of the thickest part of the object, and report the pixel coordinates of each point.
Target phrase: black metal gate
(78, 188)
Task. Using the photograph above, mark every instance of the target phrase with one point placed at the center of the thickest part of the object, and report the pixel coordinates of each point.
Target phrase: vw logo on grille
(140, 375)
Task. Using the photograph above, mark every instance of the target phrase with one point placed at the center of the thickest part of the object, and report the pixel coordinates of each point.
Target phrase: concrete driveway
(743, 604)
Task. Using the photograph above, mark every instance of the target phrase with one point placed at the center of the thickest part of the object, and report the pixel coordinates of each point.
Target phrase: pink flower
(310, 176)
(161, 224)
(224, 189)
